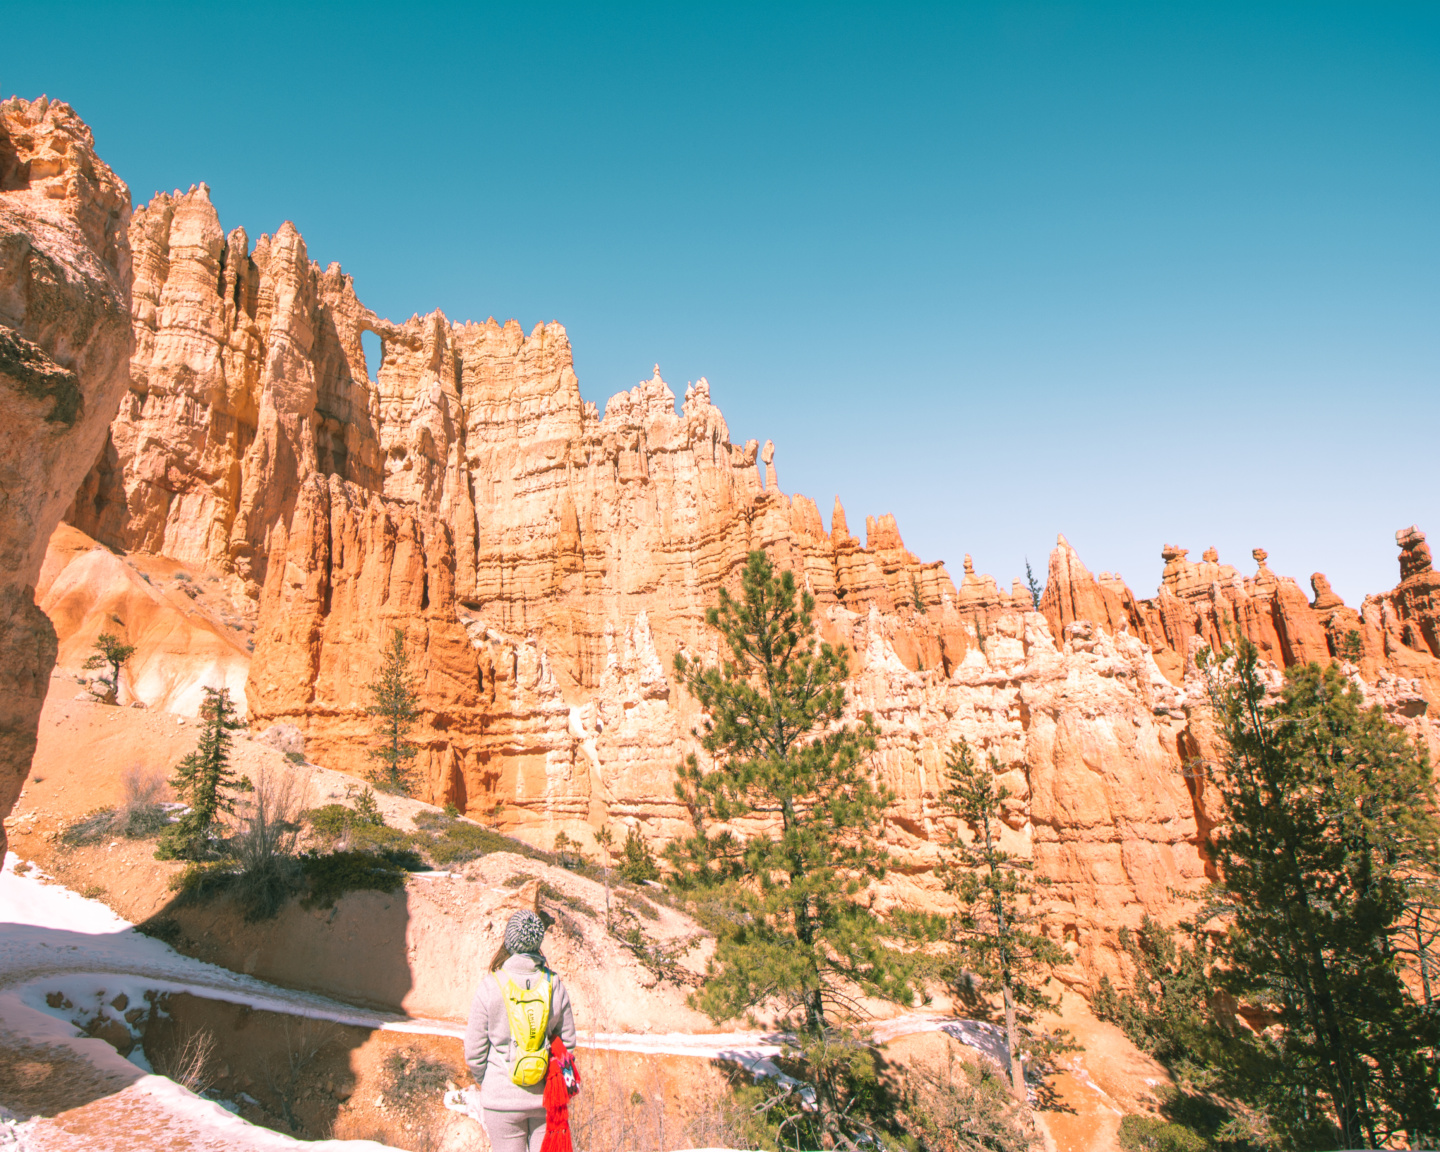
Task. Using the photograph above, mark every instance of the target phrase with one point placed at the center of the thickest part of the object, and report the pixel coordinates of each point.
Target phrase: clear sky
(1136, 273)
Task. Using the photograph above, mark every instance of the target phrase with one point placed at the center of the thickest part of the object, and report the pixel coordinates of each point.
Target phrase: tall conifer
(789, 899)
(995, 928)
(201, 780)
(395, 707)
(1326, 855)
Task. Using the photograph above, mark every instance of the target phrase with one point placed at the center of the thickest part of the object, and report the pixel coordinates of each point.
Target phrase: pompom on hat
(524, 933)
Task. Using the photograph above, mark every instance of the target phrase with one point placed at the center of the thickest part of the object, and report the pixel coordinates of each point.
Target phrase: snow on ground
(50, 936)
(62, 957)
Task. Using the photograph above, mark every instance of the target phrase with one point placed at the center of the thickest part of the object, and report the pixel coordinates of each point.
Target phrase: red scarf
(561, 1082)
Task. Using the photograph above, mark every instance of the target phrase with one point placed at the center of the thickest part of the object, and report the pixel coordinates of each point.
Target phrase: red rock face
(64, 346)
(546, 563)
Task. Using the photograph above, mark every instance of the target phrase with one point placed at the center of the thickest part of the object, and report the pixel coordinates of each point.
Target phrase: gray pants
(515, 1131)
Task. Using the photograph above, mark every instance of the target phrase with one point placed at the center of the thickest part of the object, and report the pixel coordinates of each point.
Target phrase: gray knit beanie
(524, 933)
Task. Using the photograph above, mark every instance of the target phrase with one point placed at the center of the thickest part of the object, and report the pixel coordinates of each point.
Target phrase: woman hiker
(518, 1011)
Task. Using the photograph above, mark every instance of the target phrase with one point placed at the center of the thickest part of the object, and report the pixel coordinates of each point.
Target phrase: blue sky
(1137, 273)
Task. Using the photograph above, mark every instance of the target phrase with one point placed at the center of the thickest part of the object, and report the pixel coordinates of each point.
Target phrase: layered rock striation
(65, 342)
(546, 561)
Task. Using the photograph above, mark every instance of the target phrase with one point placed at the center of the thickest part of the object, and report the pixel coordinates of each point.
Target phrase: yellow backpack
(528, 1010)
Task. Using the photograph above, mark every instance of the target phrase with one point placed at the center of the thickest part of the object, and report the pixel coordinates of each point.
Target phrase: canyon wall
(65, 342)
(546, 562)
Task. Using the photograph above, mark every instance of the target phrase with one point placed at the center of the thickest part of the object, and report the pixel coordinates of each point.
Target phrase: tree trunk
(1017, 1074)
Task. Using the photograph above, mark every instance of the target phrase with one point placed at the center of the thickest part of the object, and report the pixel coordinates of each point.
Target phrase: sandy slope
(190, 628)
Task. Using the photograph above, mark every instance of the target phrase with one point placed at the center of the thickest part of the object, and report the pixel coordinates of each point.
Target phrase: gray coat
(487, 1038)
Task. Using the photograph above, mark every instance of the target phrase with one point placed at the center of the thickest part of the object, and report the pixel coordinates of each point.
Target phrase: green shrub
(1149, 1134)
(295, 757)
(462, 841)
(329, 821)
(332, 821)
(448, 840)
(384, 839)
(332, 874)
(203, 880)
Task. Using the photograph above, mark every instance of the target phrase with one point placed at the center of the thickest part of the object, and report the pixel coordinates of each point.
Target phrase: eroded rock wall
(546, 562)
(65, 342)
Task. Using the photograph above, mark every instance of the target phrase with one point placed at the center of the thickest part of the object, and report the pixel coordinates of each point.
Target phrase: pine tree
(637, 861)
(1036, 591)
(201, 779)
(994, 931)
(110, 653)
(1327, 852)
(790, 902)
(394, 705)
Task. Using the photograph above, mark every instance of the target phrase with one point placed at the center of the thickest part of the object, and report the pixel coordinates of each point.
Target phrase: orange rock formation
(546, 562)
(64, 345)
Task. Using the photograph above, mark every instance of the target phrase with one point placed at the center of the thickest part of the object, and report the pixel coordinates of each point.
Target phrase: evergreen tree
(790, 902)
(637, 861)
(394, 705)
(200, 780)
(1036, 591)
(112, 654)
(994, 931)
(1326, 855)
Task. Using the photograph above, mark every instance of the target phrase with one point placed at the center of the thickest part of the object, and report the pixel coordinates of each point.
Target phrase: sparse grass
(637, 905)
(1150, 1134)
(612, 1115)
(413, 1079)
(192, 1064)
(139, 816)
(93, 891)
(449, 840)
(92, 828)
(284, 1073)
(574, 903)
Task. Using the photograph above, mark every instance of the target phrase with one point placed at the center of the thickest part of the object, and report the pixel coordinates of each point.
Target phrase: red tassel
(557, 1100)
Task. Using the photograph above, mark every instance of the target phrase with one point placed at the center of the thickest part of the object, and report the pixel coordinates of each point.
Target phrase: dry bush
(966, 1106)
(284, 1071)
(265, 845)
(143, 793)
(414, 1081)
(619, 1113)
(143, 787)
(191, 1064)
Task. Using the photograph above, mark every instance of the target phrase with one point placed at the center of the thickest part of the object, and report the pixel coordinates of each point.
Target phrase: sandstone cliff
(546, 562)
(64, 349)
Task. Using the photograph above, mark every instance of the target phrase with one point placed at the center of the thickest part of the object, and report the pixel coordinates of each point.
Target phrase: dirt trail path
(59, 951)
